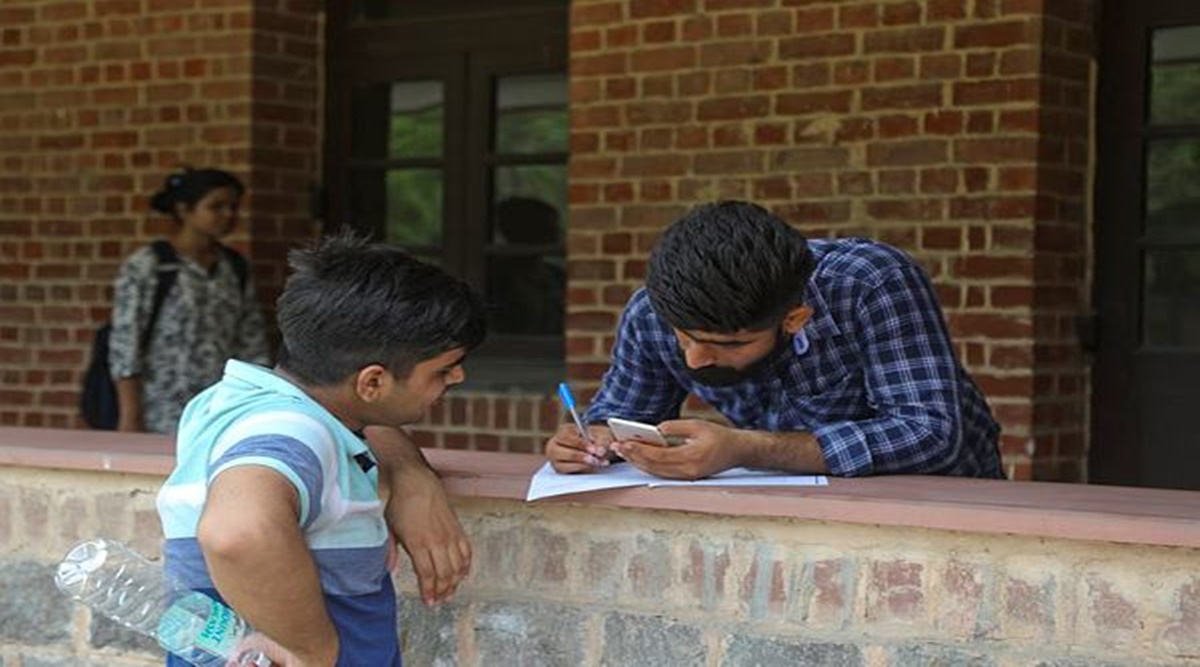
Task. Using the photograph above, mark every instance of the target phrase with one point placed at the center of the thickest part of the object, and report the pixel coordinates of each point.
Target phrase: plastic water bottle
(123, 585)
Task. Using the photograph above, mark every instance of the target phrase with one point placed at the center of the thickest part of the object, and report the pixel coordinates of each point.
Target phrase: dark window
(447, 135)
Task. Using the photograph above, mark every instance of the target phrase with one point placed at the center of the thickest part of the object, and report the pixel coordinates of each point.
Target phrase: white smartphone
(625, 429)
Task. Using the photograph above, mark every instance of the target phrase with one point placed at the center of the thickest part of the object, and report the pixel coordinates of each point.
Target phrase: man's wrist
(754, 449)
(794, 451)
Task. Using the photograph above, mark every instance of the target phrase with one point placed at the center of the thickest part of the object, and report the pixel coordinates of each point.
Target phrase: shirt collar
(266, 378)
(260, 376)
(821, 324)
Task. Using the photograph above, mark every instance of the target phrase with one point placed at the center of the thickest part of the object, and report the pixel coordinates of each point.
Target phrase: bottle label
(196, 625)
(219, 635)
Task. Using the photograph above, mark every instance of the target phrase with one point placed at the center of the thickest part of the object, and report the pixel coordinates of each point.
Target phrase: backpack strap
(167, 272)
(240, 266)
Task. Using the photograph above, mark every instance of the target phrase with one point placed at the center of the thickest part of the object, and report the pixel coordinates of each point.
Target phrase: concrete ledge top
(1038, 509)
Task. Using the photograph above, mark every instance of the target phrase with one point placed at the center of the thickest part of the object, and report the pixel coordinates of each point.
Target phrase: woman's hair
(190, 186)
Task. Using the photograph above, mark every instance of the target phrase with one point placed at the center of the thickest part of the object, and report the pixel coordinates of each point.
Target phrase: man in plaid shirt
(824, 356)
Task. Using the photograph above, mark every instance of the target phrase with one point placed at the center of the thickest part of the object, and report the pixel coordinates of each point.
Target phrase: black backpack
(98, 394)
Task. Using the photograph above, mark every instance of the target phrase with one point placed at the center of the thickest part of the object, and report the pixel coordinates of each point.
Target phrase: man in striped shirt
(275, 502)
(823, 357)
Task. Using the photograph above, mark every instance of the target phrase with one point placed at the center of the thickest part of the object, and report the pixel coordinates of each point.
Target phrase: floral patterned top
(205, 319)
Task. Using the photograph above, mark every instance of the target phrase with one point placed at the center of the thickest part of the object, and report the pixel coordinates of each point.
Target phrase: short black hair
(189, 186)
(350, 303)
(728, 266)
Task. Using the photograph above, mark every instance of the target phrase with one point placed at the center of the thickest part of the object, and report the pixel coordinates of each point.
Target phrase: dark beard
(727, 376)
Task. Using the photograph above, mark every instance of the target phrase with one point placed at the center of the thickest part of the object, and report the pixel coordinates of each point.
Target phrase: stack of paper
(547, 483)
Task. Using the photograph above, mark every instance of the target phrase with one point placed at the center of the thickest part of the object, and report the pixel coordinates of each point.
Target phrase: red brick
(640, 9)
(1184, 630)
(992, 35)
(705, 573)
(730, 136)
(894, 69)
(895, 181)
(658, 32)
(897, 126)
(906, 40)
(837, 44)
(621, 36)
(992, 151)
(763, 588)
(913, 152)
(733, 108)
(895, 590)
(858, 15)
(734, 25)
(596, 13)
(988, 325)
(659, 59)
(805, 103)
(732, 81)
(773, 23)
(1030, 604)
(817, 19)
(902, 97)
(772, 188)
(967, 93)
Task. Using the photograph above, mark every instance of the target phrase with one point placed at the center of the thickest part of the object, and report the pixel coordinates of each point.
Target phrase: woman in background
(209, 311)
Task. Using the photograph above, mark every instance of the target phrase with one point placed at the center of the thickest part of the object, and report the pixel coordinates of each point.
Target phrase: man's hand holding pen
(576, 447)
(568, 452)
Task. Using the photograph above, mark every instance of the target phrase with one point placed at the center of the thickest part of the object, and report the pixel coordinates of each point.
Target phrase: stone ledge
(1038, 509)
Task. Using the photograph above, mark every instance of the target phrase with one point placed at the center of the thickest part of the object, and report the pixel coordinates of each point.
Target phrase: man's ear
(371, 382)
(796, 318)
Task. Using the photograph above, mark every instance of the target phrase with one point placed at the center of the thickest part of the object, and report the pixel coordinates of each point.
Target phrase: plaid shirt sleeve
(637, 384)
(912, 386)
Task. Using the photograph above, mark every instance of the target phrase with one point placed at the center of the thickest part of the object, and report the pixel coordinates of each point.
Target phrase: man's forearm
(795, 451)
(396, 452)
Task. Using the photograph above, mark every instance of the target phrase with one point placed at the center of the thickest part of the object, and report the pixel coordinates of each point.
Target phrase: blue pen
(568, 400)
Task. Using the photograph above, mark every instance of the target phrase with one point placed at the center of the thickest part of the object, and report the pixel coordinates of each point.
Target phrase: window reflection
(1172, 184)
(531, 114)
(526, 276)
(1175, 76)
(408, 203)
(397, 120)
(1171, 308)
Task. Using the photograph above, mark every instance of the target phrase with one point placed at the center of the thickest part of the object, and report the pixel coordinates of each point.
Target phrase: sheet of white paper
(547, 483)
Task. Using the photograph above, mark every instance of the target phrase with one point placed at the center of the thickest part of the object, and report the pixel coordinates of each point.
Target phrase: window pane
(544, 183)
(531, 114)
(414, 213)
(526, 264)
(525, 294)
(1175, 76)
(398, 120)
(405, 203)
(1179, 43)
(1173, 187)
(1171, 305)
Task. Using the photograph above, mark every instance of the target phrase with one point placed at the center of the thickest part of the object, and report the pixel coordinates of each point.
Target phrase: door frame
(1117, 450)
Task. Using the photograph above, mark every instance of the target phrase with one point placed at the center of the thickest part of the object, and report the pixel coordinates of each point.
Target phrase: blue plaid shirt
(872, 375)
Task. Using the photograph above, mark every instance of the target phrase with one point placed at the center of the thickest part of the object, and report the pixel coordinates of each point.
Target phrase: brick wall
(572, 584)
(99, 100)
(954, 129)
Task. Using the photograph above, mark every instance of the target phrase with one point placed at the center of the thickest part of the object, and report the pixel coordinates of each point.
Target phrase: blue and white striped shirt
(872, 375)
(255, 417)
